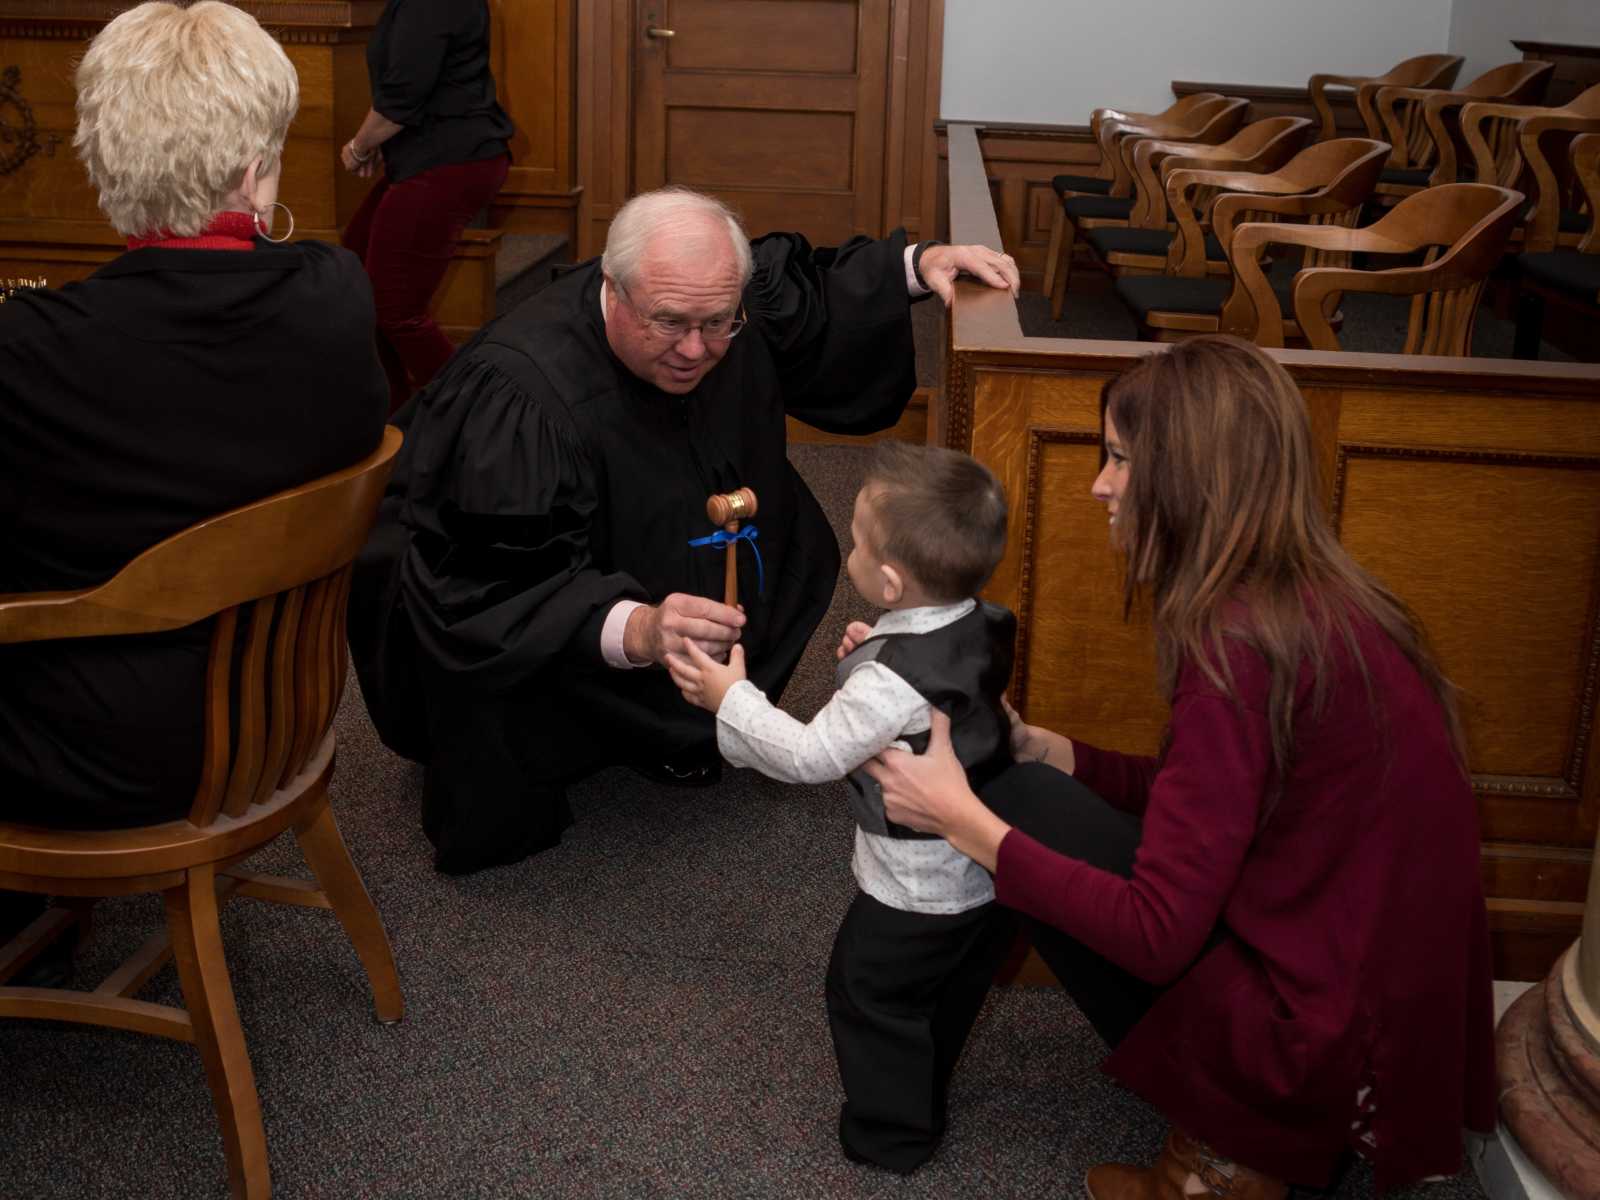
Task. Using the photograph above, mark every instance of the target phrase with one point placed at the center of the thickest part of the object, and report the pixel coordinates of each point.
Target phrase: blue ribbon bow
(748, 534)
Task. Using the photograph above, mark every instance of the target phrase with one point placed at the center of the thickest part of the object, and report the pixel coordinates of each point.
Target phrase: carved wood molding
(307, 21)
(957, 429)
(1038, 438)
(1570, 785)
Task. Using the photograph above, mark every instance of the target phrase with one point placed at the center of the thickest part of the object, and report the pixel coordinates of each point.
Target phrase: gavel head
(732, 506)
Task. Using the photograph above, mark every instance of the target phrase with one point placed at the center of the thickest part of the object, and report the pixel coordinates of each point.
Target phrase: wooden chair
(1460, 228)
(1567, 278)
(1101, 182)
(1423, 124)
(1423, 71)
(1528, 149)
(1142, 246)
(1214, 119)
(1325, 184)
(275, 575)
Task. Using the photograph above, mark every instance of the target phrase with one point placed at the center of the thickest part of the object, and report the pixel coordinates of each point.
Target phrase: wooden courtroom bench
(1469, 486)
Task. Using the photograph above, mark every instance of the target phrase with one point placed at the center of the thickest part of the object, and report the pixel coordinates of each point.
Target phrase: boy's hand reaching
(702, 679)
(854, 634)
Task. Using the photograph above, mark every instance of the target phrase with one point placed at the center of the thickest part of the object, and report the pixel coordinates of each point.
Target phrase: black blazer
(169, 386)
(428, 64)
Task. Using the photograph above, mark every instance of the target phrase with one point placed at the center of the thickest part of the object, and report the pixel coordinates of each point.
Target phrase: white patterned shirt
(870, 712)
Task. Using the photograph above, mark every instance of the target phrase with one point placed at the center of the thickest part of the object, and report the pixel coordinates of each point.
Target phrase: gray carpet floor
(637, 1013)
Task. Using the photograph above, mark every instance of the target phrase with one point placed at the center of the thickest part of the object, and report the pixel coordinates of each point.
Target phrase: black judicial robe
(541, 481)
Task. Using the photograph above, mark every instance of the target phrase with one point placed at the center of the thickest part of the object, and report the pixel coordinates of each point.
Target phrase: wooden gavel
(727, 510)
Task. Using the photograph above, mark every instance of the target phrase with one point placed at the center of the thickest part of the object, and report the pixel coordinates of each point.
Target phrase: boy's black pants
(903, 990)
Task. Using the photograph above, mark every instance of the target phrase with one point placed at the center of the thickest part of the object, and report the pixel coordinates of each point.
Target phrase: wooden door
(776, 106)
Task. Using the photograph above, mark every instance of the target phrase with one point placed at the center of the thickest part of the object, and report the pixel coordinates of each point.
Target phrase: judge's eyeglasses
(672, 329)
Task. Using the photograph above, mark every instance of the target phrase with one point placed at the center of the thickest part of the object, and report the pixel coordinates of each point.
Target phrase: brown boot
(1186, 1169)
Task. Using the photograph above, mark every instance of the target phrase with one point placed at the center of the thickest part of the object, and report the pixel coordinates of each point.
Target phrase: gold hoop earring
(262, 226)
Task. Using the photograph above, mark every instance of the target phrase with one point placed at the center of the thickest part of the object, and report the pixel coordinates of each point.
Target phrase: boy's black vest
(961, 668)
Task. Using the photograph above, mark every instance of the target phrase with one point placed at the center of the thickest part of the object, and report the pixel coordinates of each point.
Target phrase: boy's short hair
(939, 514)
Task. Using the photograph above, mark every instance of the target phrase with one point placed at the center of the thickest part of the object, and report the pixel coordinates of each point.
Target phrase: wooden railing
(1470, 486)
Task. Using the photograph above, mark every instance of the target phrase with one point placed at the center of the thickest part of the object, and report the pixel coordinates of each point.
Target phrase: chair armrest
(1472, 119)
(1317, 86)
(1447, 167)
(1258, 318)
(1545, 223)
(1586, 165)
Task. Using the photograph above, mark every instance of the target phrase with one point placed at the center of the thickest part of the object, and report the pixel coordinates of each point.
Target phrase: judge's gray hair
(173, 104)
(652, 213)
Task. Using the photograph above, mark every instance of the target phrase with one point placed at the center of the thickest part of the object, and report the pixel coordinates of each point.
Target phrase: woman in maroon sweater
(1278, 923)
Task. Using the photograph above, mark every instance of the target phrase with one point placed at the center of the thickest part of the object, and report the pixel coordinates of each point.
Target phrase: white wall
(1481, 30)
(1052, 61)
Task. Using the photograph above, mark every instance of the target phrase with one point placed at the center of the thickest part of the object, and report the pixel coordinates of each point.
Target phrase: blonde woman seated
(1277, 924)
(208, 366)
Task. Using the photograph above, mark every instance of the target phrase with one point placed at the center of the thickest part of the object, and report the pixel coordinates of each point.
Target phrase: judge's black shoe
(693, 769)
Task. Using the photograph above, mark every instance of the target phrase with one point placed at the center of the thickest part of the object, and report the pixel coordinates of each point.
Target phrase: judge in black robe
(541, 481)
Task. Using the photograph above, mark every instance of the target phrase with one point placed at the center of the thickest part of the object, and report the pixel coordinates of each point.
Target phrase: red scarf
(225, 231)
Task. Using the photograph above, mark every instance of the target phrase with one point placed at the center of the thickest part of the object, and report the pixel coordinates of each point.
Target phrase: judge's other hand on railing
(941, 264)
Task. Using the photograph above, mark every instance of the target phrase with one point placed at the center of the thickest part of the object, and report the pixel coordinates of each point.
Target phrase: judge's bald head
(677, 263)
(674, 222)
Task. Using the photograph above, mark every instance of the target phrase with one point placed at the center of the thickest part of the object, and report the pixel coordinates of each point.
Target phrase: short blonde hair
(173, 104)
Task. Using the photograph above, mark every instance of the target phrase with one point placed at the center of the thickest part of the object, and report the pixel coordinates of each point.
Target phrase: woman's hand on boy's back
(854, 634)
(1033, 743)
(702, 679)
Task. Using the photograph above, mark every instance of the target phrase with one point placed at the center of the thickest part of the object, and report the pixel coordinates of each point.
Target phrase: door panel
(776, 106)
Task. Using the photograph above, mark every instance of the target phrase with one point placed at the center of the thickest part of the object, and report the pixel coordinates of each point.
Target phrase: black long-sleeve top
(428, 64)
(171, 385)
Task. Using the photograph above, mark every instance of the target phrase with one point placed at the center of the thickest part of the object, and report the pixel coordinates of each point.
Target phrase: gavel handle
(730, 585)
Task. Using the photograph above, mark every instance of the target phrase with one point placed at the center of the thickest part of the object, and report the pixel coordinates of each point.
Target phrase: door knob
(655, 32)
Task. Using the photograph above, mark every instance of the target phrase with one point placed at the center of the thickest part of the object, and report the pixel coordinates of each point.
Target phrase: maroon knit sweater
(1354, 941)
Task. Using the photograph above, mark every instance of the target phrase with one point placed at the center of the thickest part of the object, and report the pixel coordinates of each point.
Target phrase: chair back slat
(250, 729)
(218, 752)
(308, 700)
(280, 695)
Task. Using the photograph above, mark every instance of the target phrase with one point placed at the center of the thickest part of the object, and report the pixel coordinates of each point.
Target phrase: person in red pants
(443, 138)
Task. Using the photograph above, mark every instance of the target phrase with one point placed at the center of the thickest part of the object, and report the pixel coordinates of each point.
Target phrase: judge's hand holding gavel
(655, 631)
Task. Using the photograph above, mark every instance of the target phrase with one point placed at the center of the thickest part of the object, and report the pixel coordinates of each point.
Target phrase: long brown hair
(1223, 526)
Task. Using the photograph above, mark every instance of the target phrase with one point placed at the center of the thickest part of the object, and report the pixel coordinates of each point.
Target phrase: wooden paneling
(873, 61)
(1472, 487)
(777, 106)
(533, 44)
(50, 224)
(1577, 67)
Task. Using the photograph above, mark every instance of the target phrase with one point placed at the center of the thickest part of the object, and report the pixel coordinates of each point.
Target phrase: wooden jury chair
(1528, 149)
(1142, 246)
(276, 575)
(1423, 71)
(1568, 278)
(1423, 124)
(1462, 229)
(1325, 184)
(1211, 120)
(1105, 176)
